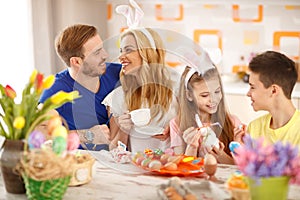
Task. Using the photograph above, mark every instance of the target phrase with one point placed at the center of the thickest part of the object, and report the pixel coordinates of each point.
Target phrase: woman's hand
(124, 122)
(164, 135)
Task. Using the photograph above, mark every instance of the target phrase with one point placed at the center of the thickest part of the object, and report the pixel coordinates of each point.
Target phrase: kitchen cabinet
(240, 105)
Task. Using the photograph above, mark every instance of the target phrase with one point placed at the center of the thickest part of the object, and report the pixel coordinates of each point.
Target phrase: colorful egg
(137, 155)
(233, 145)
(145, 162)
(158, 152)
(139, 160)
(53, 123)
(169, 151)
(59, 144)
(148, 152)
(171, 166)
(36, 139)
(73, 141)
(155, 165)
(60, 131)
(164, 158)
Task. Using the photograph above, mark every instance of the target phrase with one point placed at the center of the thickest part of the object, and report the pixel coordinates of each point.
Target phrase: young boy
(272, 79)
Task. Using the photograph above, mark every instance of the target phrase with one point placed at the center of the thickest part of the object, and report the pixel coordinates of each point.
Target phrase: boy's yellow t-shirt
(290, 132)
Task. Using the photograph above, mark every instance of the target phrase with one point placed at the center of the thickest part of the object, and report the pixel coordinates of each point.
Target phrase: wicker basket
(82, 171)
(46, 190)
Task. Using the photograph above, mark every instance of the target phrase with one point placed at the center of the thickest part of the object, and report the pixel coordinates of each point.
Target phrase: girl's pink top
(176, 134)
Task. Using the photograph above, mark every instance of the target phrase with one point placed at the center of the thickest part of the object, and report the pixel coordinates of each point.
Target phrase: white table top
(108, 184)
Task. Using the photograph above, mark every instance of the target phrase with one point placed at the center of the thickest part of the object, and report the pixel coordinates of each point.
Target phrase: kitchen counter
(241, 88)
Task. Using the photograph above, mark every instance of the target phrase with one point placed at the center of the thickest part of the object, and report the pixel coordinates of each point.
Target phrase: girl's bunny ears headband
(133, 13)
(198, 63)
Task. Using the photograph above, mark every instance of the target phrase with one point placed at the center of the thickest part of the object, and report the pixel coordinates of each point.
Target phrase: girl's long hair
(188, 109)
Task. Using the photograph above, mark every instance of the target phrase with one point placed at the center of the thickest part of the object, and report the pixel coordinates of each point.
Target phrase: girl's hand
(239, 133)
(220, 154)
(124, 122)
(191, 136)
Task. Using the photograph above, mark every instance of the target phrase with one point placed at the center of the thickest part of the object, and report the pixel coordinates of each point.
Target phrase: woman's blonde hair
(188, 108)
(155, 87)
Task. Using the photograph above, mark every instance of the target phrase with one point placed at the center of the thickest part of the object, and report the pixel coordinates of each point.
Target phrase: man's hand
(102, 134)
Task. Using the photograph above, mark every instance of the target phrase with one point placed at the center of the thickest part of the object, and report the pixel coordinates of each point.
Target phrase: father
(81, 48)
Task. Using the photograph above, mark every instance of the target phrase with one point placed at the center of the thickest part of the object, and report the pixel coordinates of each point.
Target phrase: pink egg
(139, 160)
(73, 141)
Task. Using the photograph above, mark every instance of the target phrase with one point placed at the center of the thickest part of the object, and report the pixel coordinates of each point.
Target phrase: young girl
(201, 94)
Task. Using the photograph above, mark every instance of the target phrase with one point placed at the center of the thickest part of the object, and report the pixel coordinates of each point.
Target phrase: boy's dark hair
(275, 68)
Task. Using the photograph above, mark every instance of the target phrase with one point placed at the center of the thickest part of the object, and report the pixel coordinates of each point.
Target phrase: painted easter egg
(59, 144)
(73, 141)
(233, 145)
(60, 131)
(155, 165)
(36, 139)
(53, 123)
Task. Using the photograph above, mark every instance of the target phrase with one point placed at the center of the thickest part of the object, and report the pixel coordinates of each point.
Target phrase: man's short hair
(70, 41)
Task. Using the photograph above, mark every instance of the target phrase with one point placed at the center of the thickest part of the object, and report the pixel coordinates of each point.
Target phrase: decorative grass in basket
(48, 166)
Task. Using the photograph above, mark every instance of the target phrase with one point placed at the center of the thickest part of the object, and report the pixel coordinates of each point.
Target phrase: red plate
(188, 166)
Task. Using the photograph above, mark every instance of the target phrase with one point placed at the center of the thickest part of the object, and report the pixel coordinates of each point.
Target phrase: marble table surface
(112, 181)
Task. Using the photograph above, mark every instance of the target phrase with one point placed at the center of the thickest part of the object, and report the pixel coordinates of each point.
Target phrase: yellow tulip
(48, 82)
(19, 122)
(33, 76)
(61, 96)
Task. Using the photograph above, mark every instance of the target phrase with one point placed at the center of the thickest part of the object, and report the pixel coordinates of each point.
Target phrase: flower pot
(275, 188)
(11, 154)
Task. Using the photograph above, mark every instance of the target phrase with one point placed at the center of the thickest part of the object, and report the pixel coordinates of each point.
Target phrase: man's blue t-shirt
(86, 111)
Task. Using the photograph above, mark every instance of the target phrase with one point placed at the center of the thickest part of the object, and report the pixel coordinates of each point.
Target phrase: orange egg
(164, 158)
(171, 166)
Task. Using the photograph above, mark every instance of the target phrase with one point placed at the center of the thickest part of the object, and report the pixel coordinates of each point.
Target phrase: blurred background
(237, 29)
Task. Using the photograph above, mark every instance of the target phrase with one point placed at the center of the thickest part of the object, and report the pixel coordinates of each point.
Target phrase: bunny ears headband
(198, 63)
(133, 13)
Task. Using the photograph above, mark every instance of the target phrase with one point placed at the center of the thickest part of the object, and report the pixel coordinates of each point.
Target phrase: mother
(146, 82)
